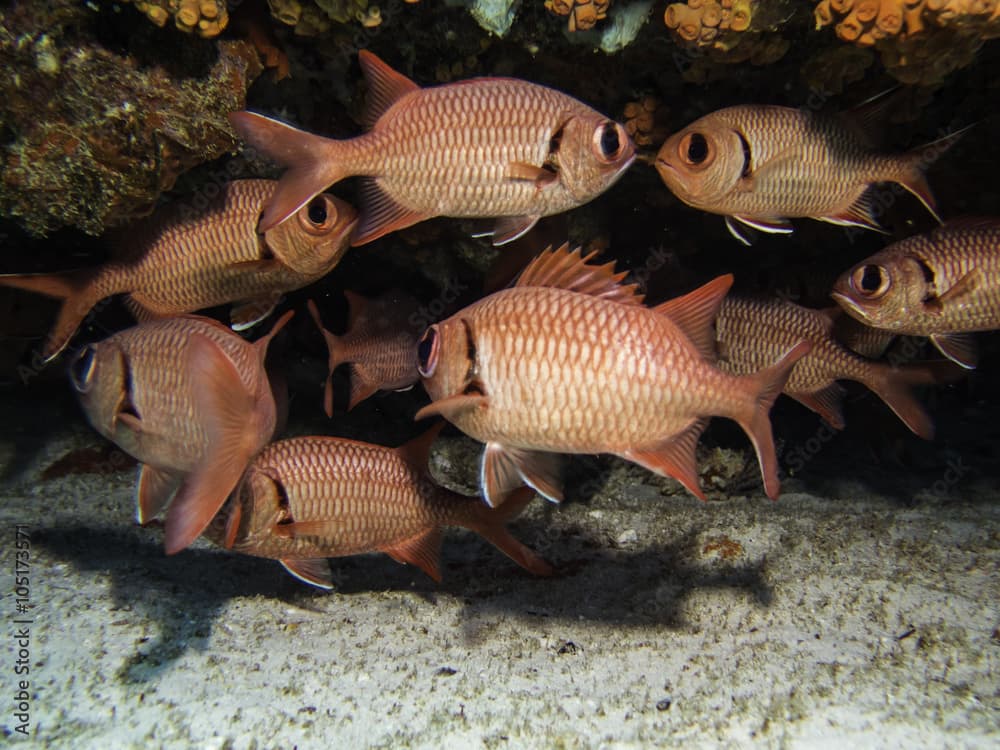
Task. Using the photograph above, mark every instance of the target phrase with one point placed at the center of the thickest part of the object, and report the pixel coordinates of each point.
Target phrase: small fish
(569, 360)
(751, 333)
(496, 148)
(310, 498)
(944, 284)
(380, 345)
(186, 258)
(762, 165)
(188, 398)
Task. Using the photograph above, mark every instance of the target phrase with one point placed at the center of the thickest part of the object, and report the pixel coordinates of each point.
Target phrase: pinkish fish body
(186, 258)
(570, 361)
(752, 332)
(944, 284)
(188, 398)
(498, 148)
(310, 498)
(761, 165)
(380, 345)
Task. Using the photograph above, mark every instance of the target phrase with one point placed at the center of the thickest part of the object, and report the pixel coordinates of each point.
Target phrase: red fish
(310, 498)
(191, 257)
(488, 147)
(570, 361)
(188, 398)
(380, 345)
(762, 165)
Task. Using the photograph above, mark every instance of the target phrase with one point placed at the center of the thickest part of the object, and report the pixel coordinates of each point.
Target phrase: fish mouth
(849, 305)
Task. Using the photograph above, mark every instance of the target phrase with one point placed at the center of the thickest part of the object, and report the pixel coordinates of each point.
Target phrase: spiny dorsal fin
(696, 311)
(385, 87)
(565, 269)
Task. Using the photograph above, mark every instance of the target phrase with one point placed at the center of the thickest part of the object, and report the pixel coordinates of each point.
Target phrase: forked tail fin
(78, 292)
(768, 385)
(919, 160)
(892, 385)
(314, 162)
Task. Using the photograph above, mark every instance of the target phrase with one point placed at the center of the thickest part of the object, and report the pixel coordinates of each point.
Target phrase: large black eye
(319, 215)
(696, 150)
(317, 211)
(609, 141)
(81, 369)
(870, 281)
(427, 352)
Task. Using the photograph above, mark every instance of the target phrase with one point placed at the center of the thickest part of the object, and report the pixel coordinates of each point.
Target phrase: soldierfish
(190, 257)
(762, 165)
(752, 332)
(309, 498)
(569, 360)
(380, 345)
(188, 398)
(488, 148)
(944, 284)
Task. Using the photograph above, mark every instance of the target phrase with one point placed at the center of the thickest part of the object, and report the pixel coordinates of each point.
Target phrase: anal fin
(247, 314)
(674, 457)
(827, 402)
(422, 550)
(313, 570)
(381, 213)
(861, 213)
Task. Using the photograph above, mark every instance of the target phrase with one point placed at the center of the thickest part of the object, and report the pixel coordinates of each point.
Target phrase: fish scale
(599, 400)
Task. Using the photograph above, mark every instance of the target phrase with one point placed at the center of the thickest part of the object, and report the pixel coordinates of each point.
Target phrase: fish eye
(870, 281)
(610, 141)
(319, 215)
(695, 150)
(427, 352)
(81, 369)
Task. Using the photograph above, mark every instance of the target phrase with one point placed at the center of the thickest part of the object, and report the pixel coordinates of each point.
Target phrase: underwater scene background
(861, 607)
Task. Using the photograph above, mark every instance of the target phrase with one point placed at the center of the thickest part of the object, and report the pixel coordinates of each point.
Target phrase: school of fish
(568, 359)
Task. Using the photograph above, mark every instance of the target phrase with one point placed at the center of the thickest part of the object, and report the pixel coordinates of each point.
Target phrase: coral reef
(833, 70)
(92, 137)
(207, 18)
(703, 21)
(583, 14)
(313, 19)
(921, 41)
(646, 121)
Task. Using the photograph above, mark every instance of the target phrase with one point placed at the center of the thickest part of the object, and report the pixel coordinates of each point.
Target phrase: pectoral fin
(453, 406)
(156, 489)
(542, 177)
(958, 347)
(674, 458)
(315, 571)
(422, 550)
(505, 469)
(958, 294)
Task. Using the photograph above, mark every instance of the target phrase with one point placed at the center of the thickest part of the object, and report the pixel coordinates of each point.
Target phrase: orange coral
(920, 41)
(207, 18)
(583, 14)
(645, 121)
(702, 22)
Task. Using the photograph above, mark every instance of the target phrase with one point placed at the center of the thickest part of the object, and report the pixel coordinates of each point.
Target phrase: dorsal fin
(385, 87)
(565, 269)
(696, 311)
(417, 451)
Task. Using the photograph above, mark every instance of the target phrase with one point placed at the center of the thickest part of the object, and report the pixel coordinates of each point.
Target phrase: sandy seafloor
(860, 610)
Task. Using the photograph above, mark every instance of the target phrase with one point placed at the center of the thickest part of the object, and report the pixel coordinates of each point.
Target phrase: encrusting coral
(313, 19)
(921, 41)
(702, 21)
(583, 14)
(94, 137)
(646, 121)
(207, 18)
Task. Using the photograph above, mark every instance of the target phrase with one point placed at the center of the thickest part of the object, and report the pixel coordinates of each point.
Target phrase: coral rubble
(91, 136)
(207, 18)
(920, 41)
